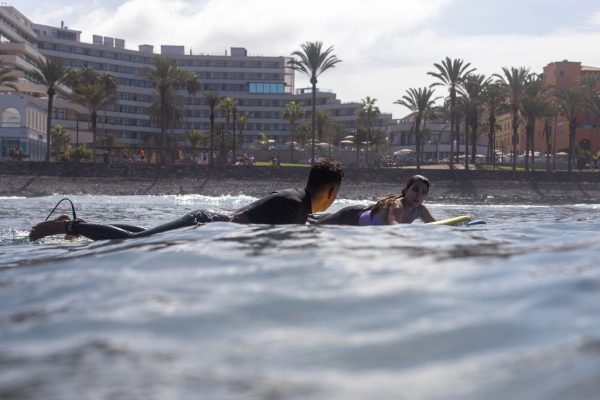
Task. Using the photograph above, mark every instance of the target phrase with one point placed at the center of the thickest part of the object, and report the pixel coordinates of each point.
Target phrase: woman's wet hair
(413, 179)
(392, 198)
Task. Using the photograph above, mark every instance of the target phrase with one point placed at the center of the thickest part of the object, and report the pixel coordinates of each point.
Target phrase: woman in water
(394, 209)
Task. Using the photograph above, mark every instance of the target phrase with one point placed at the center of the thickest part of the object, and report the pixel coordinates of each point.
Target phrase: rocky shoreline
(475, 191)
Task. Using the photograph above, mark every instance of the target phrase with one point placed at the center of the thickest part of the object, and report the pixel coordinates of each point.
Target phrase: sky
(386, 46)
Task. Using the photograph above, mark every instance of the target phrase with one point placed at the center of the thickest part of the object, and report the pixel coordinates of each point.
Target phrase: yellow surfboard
(452, 221)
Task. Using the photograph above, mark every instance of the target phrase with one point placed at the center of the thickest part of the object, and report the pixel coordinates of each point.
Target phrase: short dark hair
(323, 173)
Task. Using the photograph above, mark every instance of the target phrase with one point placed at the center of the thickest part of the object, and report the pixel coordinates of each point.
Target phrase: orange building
(561, 75)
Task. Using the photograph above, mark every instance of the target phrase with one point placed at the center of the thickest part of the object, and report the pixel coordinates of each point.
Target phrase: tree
(212, 100)
(323, 121)
(472, 89)
(514, 79)
(192, 85)
(166, 78)
(60, 139)
(535, 105)
(242, 118)
(227, 106)
(360, 136)
(420, 101)
(93, 91)
(367, 115)
(334, 133)
(313, 61)
(195, 139)
(450, 74)
(293, 112)
(51, 73)
(169, 115)
(570, 102)
(493, 100)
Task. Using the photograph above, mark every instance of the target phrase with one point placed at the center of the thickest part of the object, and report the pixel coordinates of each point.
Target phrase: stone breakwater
(456, 186)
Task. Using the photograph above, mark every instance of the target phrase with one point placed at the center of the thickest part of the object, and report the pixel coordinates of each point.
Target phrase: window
(259, 87)
(11, 118)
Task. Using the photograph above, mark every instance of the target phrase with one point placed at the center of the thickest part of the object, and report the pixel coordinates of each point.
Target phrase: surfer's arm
(425, 214)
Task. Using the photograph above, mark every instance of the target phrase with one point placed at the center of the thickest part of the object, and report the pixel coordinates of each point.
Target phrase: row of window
(16, 29)
(259, 87)
(202, 75)
(143, 59)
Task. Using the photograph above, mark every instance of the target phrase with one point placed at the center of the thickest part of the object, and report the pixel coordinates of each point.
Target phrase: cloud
(387, 46)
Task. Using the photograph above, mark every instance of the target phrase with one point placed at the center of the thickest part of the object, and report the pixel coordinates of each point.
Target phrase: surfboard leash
(58, 204)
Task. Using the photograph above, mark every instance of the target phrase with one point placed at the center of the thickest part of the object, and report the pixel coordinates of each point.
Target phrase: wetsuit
(353, 215)
(289, 206)
(346, 216)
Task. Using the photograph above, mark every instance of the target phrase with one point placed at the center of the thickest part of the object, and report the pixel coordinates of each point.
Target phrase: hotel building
(261, 86)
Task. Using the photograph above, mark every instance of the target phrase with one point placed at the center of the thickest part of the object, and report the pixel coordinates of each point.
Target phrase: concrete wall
(372, 175)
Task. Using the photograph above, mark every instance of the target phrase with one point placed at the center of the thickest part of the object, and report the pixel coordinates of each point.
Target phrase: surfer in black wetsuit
(289, 206)
(394, 209)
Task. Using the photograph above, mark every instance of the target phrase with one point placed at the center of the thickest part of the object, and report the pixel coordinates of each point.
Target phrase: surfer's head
(323, 184)
(413, 179)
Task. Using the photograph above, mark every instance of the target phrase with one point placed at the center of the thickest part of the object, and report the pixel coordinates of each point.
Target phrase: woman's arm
(425, 214)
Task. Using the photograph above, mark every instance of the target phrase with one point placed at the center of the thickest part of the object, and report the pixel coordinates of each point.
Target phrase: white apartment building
(261, 86)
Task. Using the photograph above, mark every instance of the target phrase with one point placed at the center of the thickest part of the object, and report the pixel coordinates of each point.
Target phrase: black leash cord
(58, 204)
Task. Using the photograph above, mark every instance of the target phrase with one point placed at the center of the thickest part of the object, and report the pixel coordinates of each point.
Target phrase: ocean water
(506, 310)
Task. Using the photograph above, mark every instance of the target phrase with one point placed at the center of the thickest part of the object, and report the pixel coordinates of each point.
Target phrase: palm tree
(293, 111)
(7, 78)
(360, 135)
(450, 73)
(313, 61)
(494, 102)
(51, 73)
(228, 106)
(234, 115)
(192, 85)
(60, 138)
(241, 124)
(472, 89)
(323, 120)
(212, 100)
(169, 115)
(514, 79)
(463, 111)
(535, 105)
(570, 102)
(195, 138)
(94, 92)
(367, 115)
(420, 102)
(166, 77)
(334, 134)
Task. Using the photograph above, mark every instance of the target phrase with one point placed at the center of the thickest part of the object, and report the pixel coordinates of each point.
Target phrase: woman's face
(416, 193)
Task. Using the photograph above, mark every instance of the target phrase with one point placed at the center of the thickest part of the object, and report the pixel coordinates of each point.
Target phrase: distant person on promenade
(401, 208)
(289, 206)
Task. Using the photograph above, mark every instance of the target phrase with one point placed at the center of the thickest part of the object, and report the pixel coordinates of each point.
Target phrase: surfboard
(452, 221)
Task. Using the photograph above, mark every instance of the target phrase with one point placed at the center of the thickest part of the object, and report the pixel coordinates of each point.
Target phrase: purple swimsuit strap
(366, 219)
